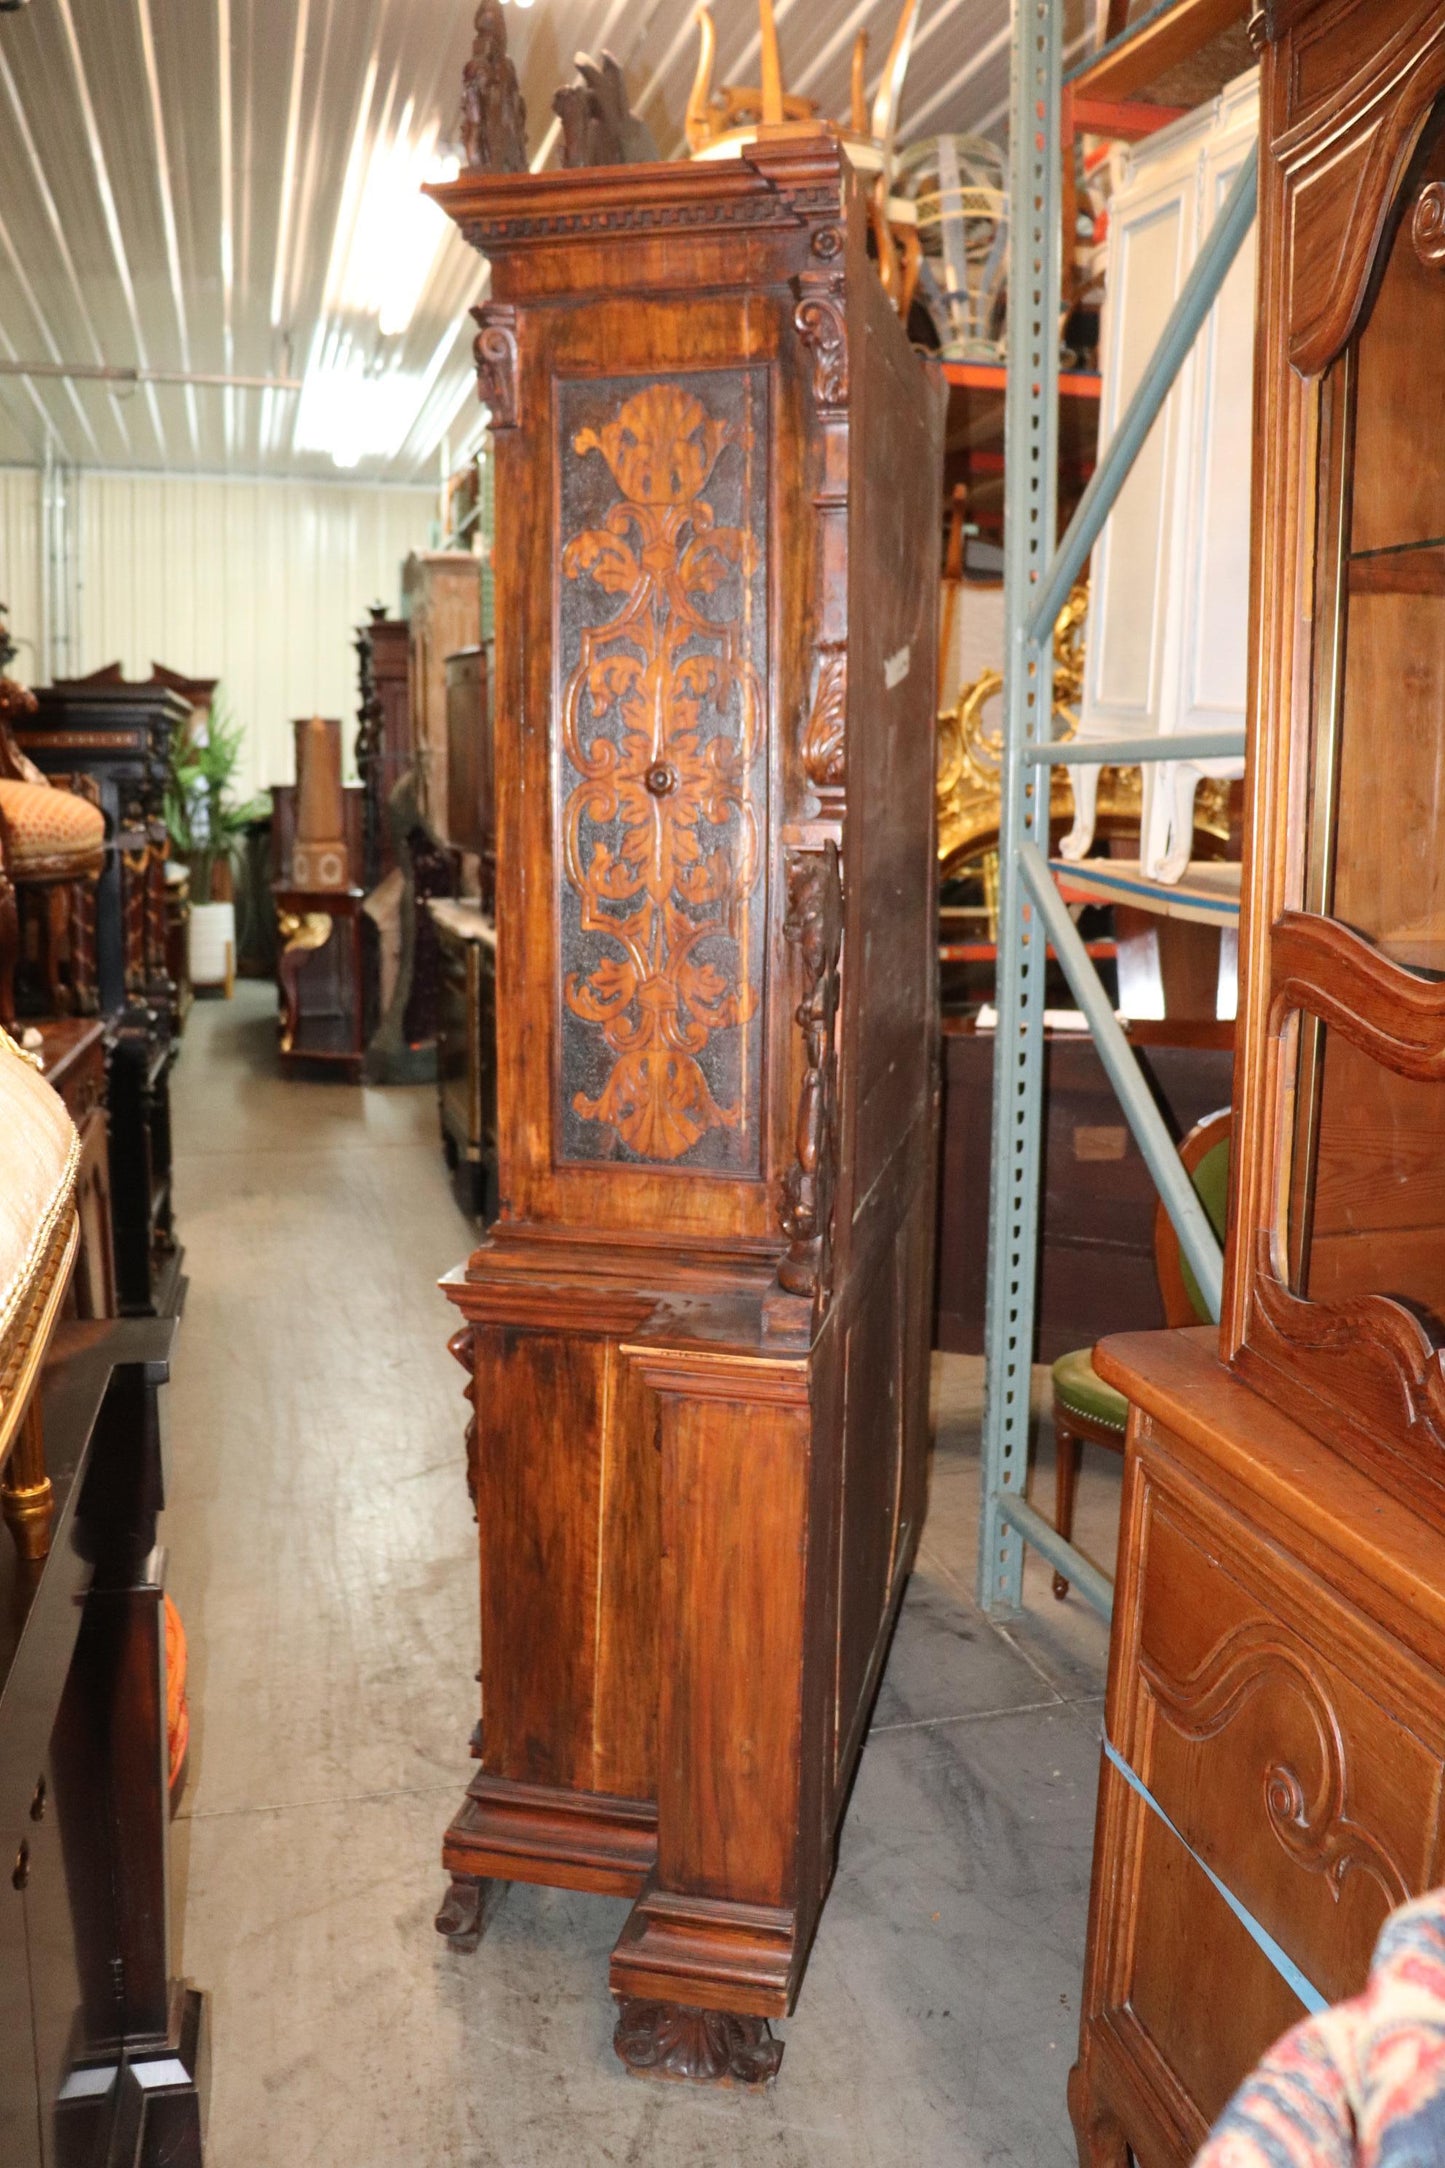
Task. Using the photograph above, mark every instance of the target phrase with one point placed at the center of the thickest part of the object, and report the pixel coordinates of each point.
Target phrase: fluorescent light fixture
(352, 407)
(396, 232)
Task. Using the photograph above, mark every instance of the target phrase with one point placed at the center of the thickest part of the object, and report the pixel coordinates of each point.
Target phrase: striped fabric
(1362, 2086)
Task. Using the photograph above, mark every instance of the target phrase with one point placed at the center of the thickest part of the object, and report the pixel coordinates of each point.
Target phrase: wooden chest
(1275, 1681)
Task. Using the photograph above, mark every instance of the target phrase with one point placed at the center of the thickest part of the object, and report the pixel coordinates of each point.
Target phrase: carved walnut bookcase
(1277, 1673)
(698, 1333)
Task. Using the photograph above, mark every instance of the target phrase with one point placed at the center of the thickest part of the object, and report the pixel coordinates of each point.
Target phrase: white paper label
(897, 667)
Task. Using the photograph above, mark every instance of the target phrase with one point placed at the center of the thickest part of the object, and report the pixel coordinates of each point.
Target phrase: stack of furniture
(102, 2052)
(697, 1335)
(319, 840)
(52, 852)
(121, 736)
(384, 736)
(1277, 1679)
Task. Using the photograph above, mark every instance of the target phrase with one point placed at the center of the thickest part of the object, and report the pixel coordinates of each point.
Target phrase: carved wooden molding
(1366, 136)
(710, 2047)
(1367, 1349)
(823, 328)
(495, 351)
(814, 925)
(1427, 225)
(1333, 973)
(824, 733)
(462, 1347)
(1311, 1824)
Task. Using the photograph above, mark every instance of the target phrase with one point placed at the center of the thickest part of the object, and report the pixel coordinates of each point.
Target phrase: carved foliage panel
(661, 658)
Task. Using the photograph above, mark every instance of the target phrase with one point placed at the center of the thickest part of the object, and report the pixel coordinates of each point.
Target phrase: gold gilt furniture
(52, 851)
(1277, 1672)
(698, 1332)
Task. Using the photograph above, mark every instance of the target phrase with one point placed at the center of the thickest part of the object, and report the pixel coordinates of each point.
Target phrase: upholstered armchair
(39, 1230)
(52, 850)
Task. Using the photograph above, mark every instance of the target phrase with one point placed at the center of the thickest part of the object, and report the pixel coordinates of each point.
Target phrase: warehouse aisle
(322, 1556)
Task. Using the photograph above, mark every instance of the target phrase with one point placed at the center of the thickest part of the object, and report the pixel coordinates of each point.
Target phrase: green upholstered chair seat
(1079, 1390)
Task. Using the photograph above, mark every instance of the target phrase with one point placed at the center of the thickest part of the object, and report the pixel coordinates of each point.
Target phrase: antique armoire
(698, 1333)
(1277, 1674)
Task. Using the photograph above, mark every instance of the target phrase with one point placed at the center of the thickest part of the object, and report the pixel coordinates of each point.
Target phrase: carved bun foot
(703, 2047)
(1098, 2133)
(463, 1911)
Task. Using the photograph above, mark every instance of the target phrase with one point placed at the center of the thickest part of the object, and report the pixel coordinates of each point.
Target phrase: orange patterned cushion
(42, 824)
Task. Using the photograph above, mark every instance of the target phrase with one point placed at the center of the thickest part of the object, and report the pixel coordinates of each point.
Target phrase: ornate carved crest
(494, 117)
(662, 715)
(495, 351)
(814, 925)
(824, 749)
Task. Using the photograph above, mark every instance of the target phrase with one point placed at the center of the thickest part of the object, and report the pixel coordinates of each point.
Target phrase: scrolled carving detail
(1427, 226)
(495, 352)
(709, 2047)
(462, 1348)
(824, 741)
(814, 925)
(823, 329)
(1312, 1826)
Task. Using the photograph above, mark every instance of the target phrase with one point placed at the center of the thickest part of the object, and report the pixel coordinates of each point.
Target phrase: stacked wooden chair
(52, 851)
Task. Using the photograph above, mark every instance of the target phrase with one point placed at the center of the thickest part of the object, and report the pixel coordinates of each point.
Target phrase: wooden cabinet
(121, 734)
(698, 1333)
(471, 811)
(1277, 1675)
(102, 2053)
(441, 599)
(384, 731)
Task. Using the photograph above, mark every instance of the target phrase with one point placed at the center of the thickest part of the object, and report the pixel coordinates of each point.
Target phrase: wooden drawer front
(1294, 1744)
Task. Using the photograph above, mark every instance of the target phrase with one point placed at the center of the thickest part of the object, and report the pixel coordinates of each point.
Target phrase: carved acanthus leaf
(710, 2047)
(823, 328)
(824, 740)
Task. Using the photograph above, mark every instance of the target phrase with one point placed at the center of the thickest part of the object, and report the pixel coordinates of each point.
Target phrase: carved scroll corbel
(823, 328)
(824, 745)
(495, 352)
(462, 1348)
(814, 925)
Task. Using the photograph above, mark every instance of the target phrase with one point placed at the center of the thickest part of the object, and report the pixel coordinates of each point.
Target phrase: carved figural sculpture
(599, 127)
(661, 718)
(494, 116)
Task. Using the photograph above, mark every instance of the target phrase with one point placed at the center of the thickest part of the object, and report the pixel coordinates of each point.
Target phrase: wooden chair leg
(9, 950)
(26, 1498)
(1068, 1451)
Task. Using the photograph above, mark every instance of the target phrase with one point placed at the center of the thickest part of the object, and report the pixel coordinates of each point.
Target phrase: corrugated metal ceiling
(184, 189)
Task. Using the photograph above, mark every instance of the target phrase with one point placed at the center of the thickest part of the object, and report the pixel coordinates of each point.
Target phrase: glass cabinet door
(1364, 1041)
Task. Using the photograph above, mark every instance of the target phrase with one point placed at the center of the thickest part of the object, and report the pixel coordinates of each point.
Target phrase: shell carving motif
(661, 720)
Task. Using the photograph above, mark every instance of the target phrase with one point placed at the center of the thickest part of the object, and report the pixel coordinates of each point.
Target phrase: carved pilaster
(824, 754)
(496, 357)
(814, 925)
(462, 1348)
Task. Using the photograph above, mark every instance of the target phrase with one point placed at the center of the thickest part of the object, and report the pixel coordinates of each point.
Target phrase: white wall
(257, 582)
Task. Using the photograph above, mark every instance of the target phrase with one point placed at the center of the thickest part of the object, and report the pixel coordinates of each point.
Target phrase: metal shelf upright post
(1032, 914)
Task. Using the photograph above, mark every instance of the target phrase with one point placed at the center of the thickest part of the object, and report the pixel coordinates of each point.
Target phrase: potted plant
(207, 825)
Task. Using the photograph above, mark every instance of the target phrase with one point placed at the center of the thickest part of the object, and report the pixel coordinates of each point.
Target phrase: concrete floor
(322, 1555)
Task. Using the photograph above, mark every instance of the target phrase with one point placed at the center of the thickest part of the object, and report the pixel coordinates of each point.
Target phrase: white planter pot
(212, 945)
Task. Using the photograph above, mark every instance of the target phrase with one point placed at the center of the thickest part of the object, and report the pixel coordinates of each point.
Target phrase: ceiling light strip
(168, 209)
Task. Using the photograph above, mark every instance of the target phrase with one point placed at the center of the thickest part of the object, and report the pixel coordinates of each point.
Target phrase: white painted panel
(258, 582)
(1152, 243)
(20, 573)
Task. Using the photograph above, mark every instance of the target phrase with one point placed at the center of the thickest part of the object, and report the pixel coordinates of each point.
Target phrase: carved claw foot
(706, 2047)
(463, 1911)
(1098, 2133)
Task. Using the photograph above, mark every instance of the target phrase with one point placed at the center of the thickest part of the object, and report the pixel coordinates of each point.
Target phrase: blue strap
(1285, 1966)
